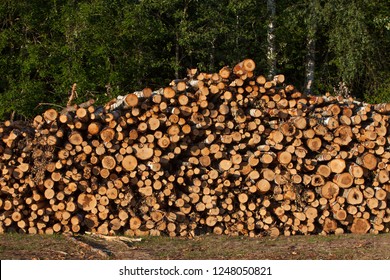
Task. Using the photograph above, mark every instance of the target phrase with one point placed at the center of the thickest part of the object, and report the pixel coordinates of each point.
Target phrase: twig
(13, 116)
(49, 104)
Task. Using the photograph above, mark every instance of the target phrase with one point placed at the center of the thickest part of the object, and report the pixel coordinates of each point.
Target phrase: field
(83, 247)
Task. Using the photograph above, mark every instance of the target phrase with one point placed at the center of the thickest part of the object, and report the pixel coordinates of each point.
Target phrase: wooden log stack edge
(225, 153)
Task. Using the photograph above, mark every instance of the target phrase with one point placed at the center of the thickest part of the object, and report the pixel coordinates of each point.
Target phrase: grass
(338, 247)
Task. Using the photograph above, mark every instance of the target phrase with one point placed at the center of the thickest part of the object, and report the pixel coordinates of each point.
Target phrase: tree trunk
(310, 49)
(271, 52)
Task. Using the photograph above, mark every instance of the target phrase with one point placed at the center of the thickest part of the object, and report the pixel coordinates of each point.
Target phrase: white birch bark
(271, 53)
(310, 64)
(311, 49)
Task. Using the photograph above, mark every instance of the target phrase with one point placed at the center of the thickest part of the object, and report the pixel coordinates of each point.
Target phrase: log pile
(225, 153)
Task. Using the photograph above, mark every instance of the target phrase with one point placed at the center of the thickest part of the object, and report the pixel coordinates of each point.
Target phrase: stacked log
(225, 153)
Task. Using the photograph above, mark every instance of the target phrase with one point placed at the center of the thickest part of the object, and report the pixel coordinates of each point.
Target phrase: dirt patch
(85, 247)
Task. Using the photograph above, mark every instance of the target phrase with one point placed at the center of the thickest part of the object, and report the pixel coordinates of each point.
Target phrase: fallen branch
(73, 95)
(114, 238)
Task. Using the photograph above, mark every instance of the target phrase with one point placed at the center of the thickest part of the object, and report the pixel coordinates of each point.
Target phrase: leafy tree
(112, 47)
(357, 45)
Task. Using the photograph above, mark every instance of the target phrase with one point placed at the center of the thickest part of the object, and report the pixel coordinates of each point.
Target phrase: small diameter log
(263, 186)
(224, 72)
(107, 134)
(135, 223)
(300, 123)
(279, 79)
(108, 162)
(317, 180)
(314, 144)
(268, 157)
(129, 163)
(50, 115)
(330, 190)
(356, 170)
(75, 138)
(324, 171)
(169, 92)
(82, 114)
(284, 157)
(94, 128)
(131, 100)
(340, 214)
(164, 142)
(225, 165)
(337, 165)
(311, 213)
(153, 124)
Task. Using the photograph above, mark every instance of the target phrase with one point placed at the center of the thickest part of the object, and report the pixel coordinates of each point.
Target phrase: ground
(81, 247)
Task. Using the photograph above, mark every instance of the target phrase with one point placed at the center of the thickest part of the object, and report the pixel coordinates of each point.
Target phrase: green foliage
(113, 47)
(357, 44)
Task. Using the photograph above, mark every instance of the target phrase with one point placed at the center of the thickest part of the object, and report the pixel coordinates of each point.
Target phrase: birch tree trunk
(271, 53)
(212, 54)
(310, 48)
(310, 64)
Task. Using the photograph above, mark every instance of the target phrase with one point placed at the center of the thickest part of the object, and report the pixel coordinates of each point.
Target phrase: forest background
(112, 47)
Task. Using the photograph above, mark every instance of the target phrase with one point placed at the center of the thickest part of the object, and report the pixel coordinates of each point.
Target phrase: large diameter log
(144, 153)
(367, 160)
(360, 226)
(245, 66)
(288, 129)
(343, 180)
(87, 202)
(330, 225)
(353, 196)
